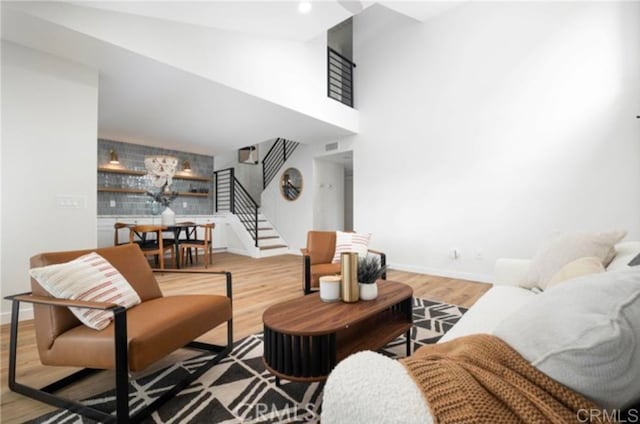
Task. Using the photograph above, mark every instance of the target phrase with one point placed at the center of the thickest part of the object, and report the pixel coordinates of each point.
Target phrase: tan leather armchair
(317, 257)
(135, 339)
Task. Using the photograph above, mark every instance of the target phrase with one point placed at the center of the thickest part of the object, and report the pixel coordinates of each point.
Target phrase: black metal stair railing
(275, 158)
(222, 189)
(339, 77)
(231, 196)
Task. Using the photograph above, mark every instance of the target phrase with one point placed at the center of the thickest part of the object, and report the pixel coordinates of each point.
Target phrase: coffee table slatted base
(311, 358)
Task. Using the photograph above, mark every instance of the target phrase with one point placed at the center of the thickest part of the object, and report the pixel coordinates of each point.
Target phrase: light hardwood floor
(257, 284)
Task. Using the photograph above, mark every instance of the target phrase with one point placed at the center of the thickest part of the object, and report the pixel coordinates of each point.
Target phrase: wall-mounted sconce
(113, 157)
(186, 166)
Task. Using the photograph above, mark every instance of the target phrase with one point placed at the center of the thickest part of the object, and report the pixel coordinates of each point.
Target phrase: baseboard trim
(482, 278)
(237, 251)
(26, 313)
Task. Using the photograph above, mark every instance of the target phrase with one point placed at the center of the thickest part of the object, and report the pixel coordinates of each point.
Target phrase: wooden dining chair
(152, 241)
(193, 243)
(116, 232)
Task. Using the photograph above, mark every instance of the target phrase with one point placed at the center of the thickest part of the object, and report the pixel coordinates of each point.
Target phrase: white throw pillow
(91, 278)
(625, 252)
(350, 242)
(565, 248)
(585, 334)
(578, 268)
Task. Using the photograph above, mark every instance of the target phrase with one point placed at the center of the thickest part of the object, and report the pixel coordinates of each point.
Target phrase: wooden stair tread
(268, 237)
(275, 246)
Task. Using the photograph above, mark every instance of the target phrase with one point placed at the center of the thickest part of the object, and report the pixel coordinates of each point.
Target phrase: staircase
(277, 155)
(252, 228)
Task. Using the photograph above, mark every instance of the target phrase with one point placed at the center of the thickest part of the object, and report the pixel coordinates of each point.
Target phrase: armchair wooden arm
(53, 301)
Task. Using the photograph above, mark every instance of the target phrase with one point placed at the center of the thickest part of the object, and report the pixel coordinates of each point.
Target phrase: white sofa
(367, 387)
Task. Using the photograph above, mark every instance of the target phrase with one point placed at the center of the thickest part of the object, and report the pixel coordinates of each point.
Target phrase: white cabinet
(105, 231)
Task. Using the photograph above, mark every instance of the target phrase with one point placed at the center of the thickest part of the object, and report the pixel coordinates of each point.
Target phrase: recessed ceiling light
(304, 7)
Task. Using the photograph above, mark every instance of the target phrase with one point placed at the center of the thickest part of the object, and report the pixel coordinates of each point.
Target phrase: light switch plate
(71, 202)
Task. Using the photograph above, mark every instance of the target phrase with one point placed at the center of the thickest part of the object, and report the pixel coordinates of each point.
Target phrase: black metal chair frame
(46, 393)
(306, 270)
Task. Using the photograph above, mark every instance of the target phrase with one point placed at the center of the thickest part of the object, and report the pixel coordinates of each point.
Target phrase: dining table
(176, 229)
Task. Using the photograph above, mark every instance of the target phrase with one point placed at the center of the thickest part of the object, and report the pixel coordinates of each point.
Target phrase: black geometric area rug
(240, 390)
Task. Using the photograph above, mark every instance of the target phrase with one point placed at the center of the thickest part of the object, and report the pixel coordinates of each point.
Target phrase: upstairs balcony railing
(339, 77)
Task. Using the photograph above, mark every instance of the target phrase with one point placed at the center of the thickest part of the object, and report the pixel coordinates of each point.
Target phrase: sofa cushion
(89, 277)
(585, 334)
(350, 242)
(578, 268)
(564, 248)
(625, 253)
(489, 311)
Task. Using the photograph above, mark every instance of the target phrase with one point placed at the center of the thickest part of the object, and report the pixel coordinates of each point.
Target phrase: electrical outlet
(184, 205)
(112, 203)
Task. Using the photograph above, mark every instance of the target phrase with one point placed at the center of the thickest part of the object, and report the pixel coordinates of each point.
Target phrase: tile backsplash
(131, 157)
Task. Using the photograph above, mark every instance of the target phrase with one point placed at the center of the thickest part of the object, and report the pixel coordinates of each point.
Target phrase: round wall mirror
(291, 184)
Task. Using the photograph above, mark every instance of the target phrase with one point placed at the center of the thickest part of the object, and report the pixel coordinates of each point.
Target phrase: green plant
(369, 270)
(164, 196)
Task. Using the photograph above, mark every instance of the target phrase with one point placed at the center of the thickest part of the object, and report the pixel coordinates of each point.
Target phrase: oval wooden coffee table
(305, 338)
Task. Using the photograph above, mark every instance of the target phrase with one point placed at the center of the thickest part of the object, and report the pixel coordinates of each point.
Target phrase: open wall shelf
(138, 191)
(123, 171)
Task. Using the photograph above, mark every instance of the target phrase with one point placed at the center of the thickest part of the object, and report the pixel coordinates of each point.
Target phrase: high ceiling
(145, 101)
(279, 19)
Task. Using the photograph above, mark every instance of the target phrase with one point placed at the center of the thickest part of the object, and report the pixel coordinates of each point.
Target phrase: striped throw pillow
(91, 278)
(350, 242)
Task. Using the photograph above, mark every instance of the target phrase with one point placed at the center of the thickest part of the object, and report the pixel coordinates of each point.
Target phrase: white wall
(328, 199)
(291, 219)
(49, 149)
(294, 219)
(249, 175)
(348, 201)
(491, 126)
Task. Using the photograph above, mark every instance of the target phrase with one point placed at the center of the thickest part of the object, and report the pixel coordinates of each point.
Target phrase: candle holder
(330, 288)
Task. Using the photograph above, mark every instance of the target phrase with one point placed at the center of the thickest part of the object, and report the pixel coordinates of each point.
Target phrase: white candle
(330, 288)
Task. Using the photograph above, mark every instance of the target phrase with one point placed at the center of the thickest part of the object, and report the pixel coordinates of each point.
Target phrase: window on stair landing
(340, 64)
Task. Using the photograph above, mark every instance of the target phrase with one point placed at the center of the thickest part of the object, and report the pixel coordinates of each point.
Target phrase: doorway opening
(333, 199)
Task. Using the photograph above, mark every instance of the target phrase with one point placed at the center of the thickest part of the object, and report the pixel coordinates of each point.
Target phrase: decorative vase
(368, 291)
(168, 217)
(155, 207)
(349, 271)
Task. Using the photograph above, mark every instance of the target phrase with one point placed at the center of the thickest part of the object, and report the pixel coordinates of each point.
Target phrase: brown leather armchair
(317, 257)
(135, 339)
